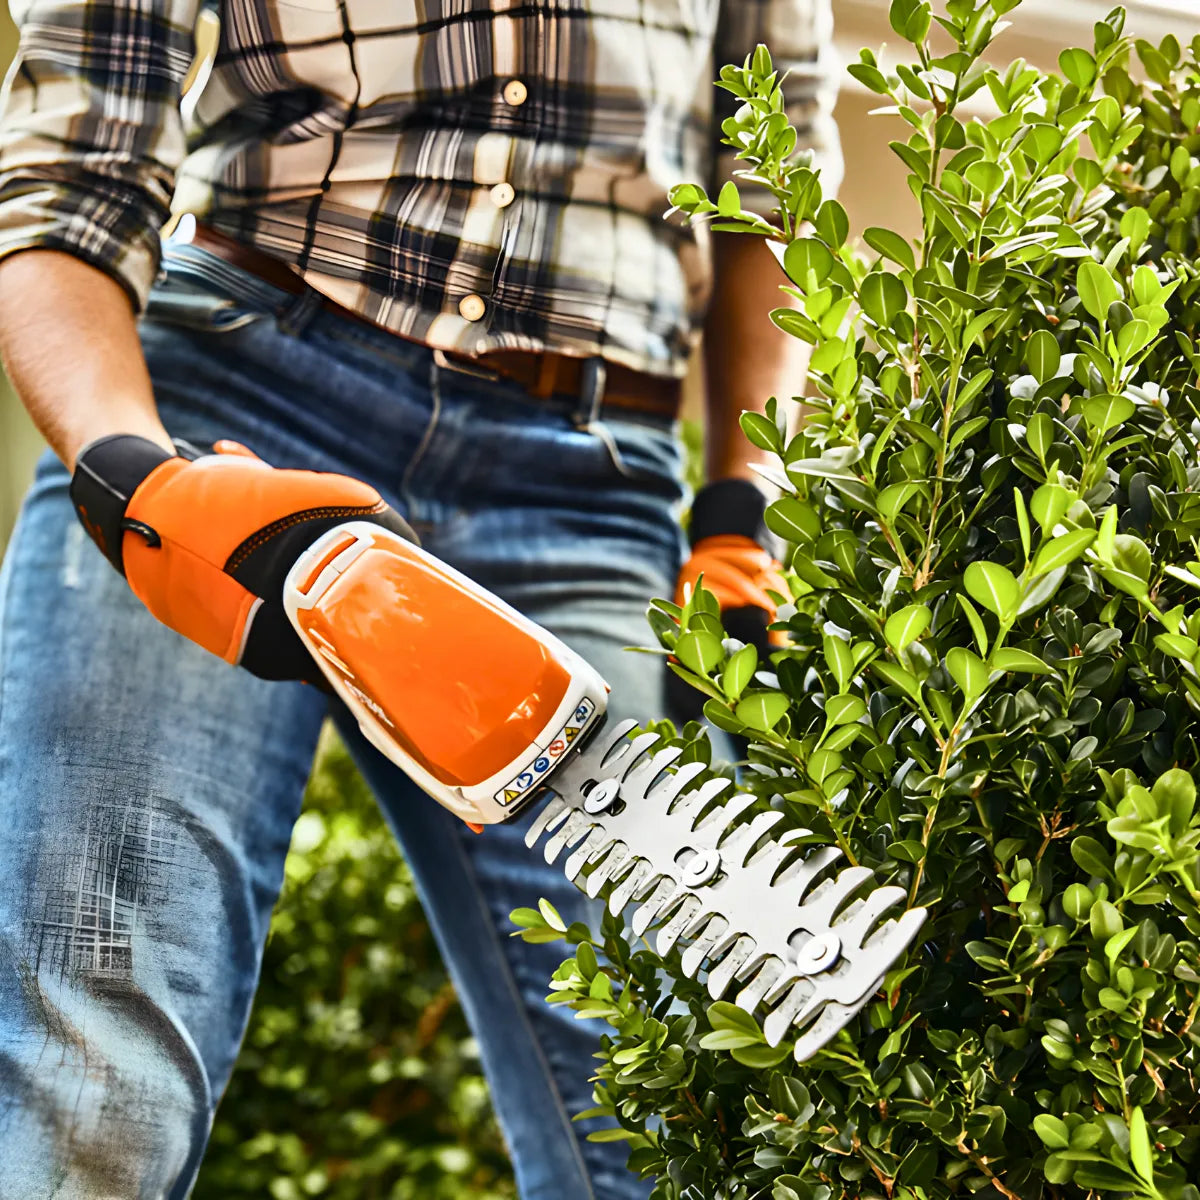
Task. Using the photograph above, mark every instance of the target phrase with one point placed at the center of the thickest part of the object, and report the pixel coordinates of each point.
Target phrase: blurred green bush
(358, 1078)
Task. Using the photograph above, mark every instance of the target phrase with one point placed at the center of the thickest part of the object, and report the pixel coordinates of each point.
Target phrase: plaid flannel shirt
(474, 174)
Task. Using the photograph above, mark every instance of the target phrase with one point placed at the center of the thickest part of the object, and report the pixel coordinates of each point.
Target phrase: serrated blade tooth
(895, 936)
(721, 977)
(798, 878)
(654, 907)
(832, 1018)
(694, 956)
(589, 850)
(610, 866)
(855, 928)
(634, 756)
(671, 932)
(707, 792)
(779, 1019)
(820, 910)
(670, 787)
(750, 997)
(737, 847)
(634, 883)
(556, 809)
(569, 832)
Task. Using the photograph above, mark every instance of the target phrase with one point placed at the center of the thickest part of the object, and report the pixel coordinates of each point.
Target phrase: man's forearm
(747, 359)
(69, 341)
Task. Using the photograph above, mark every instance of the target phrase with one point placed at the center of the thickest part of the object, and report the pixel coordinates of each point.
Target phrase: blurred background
(358, 1079)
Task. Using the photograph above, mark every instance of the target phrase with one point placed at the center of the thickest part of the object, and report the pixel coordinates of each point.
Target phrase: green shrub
(990, 694)
(358, 1078)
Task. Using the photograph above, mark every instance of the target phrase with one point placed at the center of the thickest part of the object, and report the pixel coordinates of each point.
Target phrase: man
(430, 266)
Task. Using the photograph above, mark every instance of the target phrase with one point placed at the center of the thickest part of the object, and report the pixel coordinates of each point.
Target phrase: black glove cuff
(107, 473)
(729, 506)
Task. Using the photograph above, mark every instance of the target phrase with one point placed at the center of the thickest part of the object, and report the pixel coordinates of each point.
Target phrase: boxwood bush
(991, 516)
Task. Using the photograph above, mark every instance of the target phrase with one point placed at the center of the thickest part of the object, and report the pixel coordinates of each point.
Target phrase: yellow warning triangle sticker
(570, 733)
(510, 795)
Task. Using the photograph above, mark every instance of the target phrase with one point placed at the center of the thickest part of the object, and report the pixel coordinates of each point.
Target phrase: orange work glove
(207, 540)
(727, 533)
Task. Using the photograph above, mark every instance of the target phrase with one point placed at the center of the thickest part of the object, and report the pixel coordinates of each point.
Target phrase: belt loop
(299, 312)
(592, 379)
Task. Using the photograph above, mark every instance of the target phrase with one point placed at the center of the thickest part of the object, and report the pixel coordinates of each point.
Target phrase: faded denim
(147, 790)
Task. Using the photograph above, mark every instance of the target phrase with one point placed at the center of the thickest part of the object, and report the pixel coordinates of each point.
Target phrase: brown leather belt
(545, 376)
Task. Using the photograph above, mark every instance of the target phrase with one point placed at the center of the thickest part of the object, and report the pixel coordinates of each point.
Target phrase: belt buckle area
(463, 364)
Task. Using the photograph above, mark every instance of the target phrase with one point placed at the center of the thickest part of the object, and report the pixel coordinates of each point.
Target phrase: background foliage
(991, 690)
(358, 1079)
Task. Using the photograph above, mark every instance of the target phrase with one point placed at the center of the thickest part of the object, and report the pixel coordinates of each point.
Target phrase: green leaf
(881, 297)
(805, 255)
(891, 245)
(1048, 505)
(1097, 289)
(975, 621)
(1079, 67)
(761, 431)
(1106, 412)
(762, 710)
(1060, 551)
(723, 1015)
(842, 710)
(729, 202)
(1009, 658)
(793, 520)
(968, 671)
(832, 223)
(897, 677)
(1039, 433)
(1140, 1152)
(907, 625)
(986, 177)
(1042, 357)
(839, 659)
(993, 586)
(739, 670)
(760, 1058)
(700, 651)
(551, 917)
(1054, 1133)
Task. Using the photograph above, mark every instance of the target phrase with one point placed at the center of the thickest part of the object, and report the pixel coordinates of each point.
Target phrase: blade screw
(701, 867)
(601, 797)
(819, 953)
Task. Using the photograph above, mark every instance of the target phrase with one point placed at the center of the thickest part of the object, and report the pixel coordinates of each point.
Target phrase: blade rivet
(701, 867)
(819, 953)
(601, 797)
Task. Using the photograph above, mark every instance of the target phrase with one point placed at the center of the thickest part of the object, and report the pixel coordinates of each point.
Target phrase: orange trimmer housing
(473, 700)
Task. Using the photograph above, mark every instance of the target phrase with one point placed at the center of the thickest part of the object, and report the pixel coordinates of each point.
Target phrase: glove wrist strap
(107, 473)
(728, 506)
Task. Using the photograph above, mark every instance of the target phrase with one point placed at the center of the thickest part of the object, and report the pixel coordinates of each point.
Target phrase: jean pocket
(197, 310)
(646, 451)
(198, 291)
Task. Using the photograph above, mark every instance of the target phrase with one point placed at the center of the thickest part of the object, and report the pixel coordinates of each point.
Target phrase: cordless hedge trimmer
(491, 715)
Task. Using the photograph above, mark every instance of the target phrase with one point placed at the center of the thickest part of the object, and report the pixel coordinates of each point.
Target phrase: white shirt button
(503, 195)
(472, 307)
(515, 93)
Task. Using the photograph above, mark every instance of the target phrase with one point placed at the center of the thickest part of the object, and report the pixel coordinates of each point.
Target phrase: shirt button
(515, 93)
(503, 195)
(472, 307)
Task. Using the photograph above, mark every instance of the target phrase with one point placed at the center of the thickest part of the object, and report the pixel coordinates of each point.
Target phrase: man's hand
(206, 541)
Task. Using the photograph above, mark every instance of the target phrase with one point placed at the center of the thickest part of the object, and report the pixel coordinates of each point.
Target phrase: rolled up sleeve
(799, 35)
(90, 132)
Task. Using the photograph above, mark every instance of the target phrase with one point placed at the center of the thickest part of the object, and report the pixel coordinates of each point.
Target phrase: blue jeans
(148, 791)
